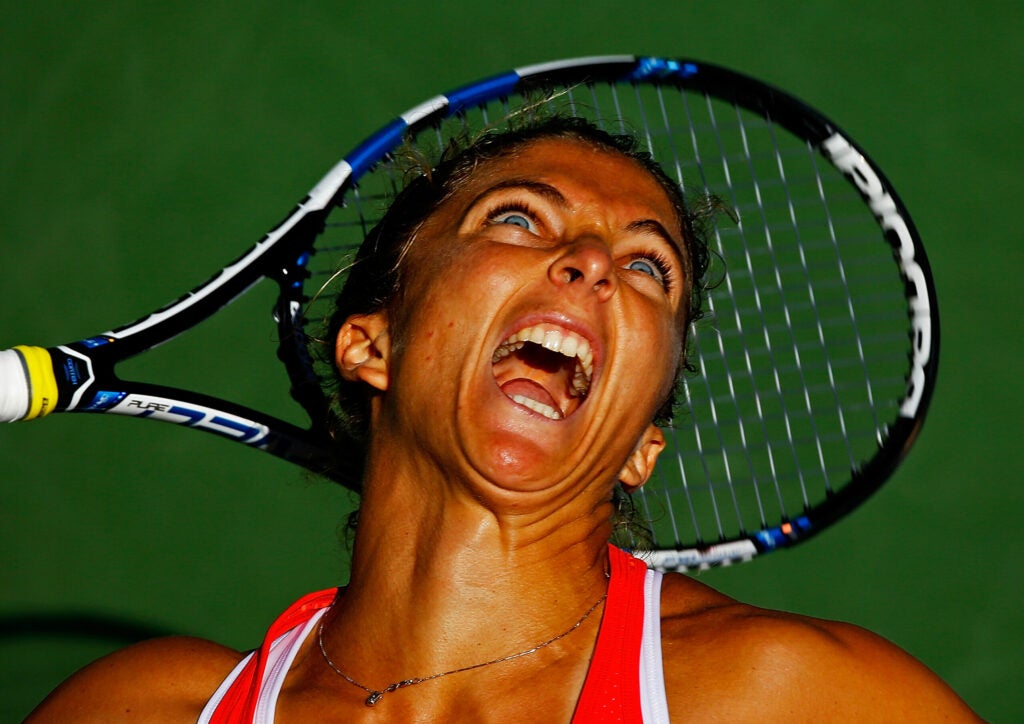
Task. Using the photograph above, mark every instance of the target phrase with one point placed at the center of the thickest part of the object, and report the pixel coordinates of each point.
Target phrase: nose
(585, 265)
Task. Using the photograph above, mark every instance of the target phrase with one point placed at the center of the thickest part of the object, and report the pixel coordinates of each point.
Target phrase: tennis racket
(817, 356)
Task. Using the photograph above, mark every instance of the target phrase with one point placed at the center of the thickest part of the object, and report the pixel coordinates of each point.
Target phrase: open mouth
(545, 368)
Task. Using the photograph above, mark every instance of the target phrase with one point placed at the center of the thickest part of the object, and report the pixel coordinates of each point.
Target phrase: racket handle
(28, 387)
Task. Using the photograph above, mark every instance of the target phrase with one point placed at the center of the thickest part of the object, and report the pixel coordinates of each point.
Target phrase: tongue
(528, 388)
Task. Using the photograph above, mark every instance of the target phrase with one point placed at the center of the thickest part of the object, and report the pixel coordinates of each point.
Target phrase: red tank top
(611, 692)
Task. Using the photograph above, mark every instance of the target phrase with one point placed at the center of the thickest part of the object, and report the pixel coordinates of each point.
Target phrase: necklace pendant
(374, 697)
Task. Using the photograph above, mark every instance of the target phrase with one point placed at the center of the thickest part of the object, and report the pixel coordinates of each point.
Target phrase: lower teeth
(547, 410)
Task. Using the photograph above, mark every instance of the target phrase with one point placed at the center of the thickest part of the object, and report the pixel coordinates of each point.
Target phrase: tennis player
(511, 333)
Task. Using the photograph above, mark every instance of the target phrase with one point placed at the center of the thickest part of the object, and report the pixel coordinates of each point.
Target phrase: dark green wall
(141, 149)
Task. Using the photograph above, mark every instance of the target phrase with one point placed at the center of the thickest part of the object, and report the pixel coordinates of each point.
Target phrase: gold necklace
(376, 695)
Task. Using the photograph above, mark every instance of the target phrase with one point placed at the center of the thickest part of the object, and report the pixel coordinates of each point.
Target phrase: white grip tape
(15, 390)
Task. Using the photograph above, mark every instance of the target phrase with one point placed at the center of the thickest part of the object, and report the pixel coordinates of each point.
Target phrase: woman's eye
(652, 267)
(515, 218)
(645, 266)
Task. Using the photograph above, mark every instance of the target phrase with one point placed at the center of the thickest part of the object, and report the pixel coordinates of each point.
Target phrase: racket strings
(696, 337)
(813, 307)
(733, 379)
(712, 400)
(890, 303)
(757, 318)
(787, 316)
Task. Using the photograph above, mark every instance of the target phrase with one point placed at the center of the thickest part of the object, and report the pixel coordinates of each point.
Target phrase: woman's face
(539, 326)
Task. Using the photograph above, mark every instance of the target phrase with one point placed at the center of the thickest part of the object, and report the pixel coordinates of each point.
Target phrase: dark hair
(375, 278)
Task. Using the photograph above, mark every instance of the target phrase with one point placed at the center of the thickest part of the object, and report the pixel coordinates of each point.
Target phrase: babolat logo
(848, 160)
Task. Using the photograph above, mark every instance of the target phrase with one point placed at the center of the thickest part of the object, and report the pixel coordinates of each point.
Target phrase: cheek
(445, 305)
(673, 360)
(429, 282)
(442, 266)
(657, 353)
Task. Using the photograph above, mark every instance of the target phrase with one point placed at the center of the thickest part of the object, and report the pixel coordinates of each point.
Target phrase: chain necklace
(376, 695)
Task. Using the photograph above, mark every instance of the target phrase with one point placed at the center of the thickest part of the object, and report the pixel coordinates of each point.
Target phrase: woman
(531, 298)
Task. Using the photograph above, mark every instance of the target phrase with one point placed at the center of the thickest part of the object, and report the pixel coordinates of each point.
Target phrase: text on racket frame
(848, 160)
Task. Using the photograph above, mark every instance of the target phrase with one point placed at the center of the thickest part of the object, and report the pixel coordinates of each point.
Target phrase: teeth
(553, 341)
(505, 350)
(547, 410)
(556, 340)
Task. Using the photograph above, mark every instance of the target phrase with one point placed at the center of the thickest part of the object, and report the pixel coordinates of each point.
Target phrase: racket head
(818, 351)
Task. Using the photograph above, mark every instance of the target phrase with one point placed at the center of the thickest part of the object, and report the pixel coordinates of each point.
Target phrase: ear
(362, 349)
(640, 465)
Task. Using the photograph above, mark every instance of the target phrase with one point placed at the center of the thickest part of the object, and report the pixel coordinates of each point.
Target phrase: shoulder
(727, 659)
(167, 679)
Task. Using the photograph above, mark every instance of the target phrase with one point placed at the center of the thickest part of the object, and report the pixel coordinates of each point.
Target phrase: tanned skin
(485, 532)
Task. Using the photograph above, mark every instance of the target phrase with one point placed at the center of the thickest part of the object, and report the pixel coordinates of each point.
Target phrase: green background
(144, 145)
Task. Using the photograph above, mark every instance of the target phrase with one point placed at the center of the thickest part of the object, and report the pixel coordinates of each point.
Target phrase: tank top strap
(611, 692)
(239, 701)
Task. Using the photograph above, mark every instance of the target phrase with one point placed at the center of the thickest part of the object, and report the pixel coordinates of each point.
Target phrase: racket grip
(28, 386)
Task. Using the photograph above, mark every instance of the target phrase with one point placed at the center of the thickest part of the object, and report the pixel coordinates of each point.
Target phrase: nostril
(583, 264)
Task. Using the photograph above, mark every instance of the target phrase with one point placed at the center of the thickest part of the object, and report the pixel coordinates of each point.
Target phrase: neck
(449, 568)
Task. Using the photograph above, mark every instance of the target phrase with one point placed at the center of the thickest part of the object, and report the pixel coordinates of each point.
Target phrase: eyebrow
(538, 187)
(656, 228)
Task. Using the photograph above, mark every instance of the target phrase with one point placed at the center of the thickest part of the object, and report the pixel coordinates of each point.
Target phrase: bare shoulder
(727, 660)
(163, 680)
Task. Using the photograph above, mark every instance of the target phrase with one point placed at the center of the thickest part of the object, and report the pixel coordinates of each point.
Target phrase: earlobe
(640, 464)
(362, 349)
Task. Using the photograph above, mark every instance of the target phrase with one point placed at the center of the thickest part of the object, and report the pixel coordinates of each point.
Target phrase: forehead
(587, 174)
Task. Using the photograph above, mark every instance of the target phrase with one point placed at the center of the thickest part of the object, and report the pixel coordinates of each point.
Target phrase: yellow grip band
(41, 381)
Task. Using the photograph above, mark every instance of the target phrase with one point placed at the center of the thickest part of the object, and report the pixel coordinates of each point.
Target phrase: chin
(521, 465)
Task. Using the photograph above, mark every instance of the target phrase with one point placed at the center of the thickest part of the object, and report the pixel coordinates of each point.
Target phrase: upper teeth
(557, 340)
